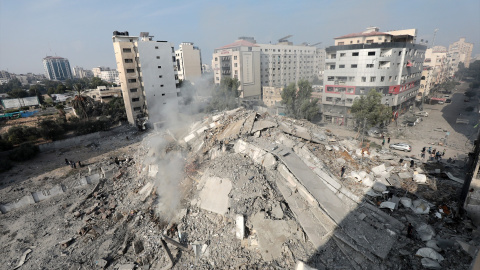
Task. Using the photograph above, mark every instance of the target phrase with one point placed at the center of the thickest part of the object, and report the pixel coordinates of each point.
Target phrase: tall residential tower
(57, 68)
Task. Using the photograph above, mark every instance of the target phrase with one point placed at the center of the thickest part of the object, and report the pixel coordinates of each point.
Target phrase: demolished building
(245, 190)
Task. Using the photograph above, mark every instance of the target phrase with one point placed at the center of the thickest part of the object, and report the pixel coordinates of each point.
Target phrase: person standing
(410, 230)
(412, 163)
(383, 142)
(342, 171)
(66, 162)
(388, 140)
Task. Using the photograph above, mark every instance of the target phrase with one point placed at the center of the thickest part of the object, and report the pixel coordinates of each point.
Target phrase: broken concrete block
(368, 180)
(277, 211)
(356, 176)
(362, 174)
(146, 191)
(101, 263)
(405, 175)
(239, 227)
(471, 250)
(377, 186)
(129, 266)
(430, 264)
(433, 244)
(214, 195)
(189, 137)
(429, 253)
(46, 194)
(24, 201)
(340, 161)
(379, 169)
(420, 178)
(425, 232)
(152, 170)
(389, 205)
(362, 216)
(406, 202)
(269, 161)
(420, 207)
(262, 124)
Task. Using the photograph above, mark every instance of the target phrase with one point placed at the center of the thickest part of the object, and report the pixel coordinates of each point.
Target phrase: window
(133, 90)
(355, 54)
(137, 109)
(173, 50)
(362, 90)
(132, 80)
(173, 58)
(161, 85)
(235, 57)
(372, 79)
(163, 94)
(130, 70)
(399, 53)
(364, 79)
(128, 60)
(156, 47)
(371, 53)
(382, 78)
(329, 99)
(127, 50)
(353, 66)
(330, 78)
(135, 99)
(160, 76)
(369, 65)
(341, 66)
(341, 43)
(396, 77)
(342, 54)
(159, 66)
(351, 79)
(216, 58)
(369, 41)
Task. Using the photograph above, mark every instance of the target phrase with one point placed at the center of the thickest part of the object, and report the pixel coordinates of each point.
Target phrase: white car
(421, 113)
(401, 146)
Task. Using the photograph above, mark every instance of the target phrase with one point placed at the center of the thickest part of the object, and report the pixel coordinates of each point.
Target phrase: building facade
(148, 78)
(266, 68)
(459, 52)
(389, 62)
(57, 68)
(435, 70)
(189, 62)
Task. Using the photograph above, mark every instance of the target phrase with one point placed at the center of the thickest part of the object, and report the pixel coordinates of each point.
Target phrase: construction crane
(284, 39)
(434, 34)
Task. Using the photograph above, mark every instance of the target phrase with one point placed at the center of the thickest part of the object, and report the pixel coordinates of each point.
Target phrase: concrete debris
(23, 259)
(241, 190)
(430, 264)
(427, 252)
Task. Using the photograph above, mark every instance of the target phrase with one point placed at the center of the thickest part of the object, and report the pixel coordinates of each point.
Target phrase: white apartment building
(189, 62)
(110, 76)
(275, 65)
(435, 70)
(389, 62)
(459, 51)
(147, 72)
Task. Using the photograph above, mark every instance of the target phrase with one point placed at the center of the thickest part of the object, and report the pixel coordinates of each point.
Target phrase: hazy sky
(82, 30)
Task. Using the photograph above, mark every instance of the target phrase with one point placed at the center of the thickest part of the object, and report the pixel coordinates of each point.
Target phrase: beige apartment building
(147, 74)
(189, 62)
(459, 52)
(435, 70)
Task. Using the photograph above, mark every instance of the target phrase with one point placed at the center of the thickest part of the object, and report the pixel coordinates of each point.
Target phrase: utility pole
(434, 34)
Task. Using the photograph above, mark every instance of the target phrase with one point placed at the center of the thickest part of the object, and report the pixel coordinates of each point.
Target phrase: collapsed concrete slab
(214, 194)
(257, 154)
(24, 201)
(262, 125)
(46, 194)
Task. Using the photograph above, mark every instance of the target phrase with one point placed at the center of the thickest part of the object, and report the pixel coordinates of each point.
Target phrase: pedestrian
(383, 142)
(443, 153)
(388, 140)
(423, 149)
(434, 151)
(342, 171)
(66, 162)
(74, 165)
(401, 161)
(410, 230)
(429, 149)
(71, 164)
(412, 163)
(79, 164)
(423, 155)
(432, 156)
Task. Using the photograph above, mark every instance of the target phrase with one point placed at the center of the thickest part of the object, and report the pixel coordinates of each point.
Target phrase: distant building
(14, 103)
(104, 94)
(435, 70)
(4, 77)
(459, 52)
(189, 62)
(79, 73)
(57, 68)
(389, 62)
(149, 90)
(110, 76)
(98, 70)
(266, 65)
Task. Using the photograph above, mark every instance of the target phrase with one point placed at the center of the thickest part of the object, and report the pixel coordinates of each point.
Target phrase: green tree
(299, 104)
(370, 107)
(24, 152)
(50, 130)
(18, 93)
(80, 102)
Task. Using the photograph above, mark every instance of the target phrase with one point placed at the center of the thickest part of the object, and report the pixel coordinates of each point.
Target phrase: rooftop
(239, 43)
(364, 34)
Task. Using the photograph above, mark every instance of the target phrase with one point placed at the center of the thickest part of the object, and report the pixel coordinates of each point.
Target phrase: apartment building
(189, 61)
(110, 76)
(57, 68)
(80, 72)
(272, 66)
(148, 78)
(389, 62)
(435, 70)
(459, 52)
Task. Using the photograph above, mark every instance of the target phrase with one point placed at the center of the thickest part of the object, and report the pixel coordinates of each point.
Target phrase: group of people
(73, 164)
(383, 140)
(432, 153)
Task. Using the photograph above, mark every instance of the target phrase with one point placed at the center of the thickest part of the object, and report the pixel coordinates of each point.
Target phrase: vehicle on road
(448, 101)
(401, 146)
(422, 113)
(441, 102)
(446, 96)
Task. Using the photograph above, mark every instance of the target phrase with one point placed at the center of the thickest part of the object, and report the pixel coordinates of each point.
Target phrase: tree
(50, 130)
(299, 104)
(18, 93)
(79, 103)
(371, 109)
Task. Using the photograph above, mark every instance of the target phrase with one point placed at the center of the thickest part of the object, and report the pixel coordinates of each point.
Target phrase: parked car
(446, 96)
(422, 113)
(401, 146)
(448, 101)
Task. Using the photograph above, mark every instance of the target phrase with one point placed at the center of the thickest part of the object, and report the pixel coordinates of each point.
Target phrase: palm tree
(79, 103)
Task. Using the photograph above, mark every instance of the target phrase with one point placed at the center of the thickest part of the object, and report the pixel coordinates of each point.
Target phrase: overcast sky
(82, 30)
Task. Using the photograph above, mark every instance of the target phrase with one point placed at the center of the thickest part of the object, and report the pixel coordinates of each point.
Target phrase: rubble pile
(242, 190)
